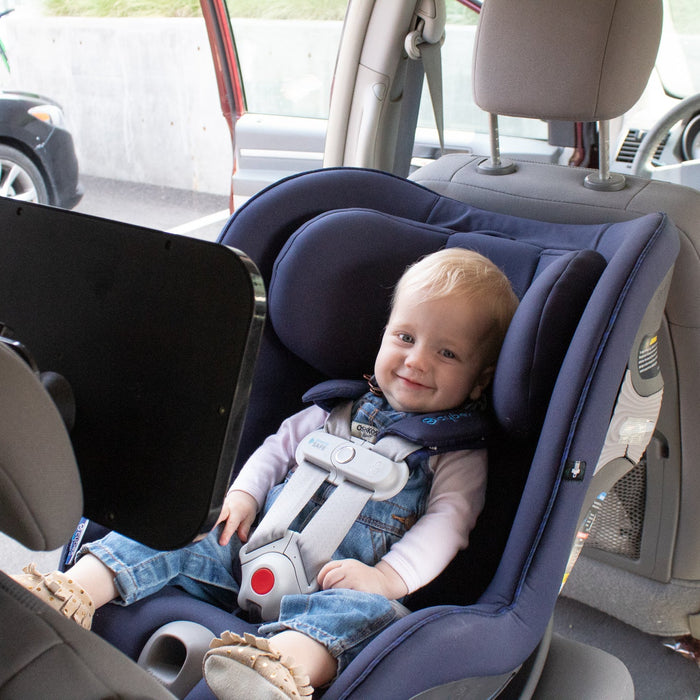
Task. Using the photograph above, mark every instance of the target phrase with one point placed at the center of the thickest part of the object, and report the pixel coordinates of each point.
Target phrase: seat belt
(424, 44)
(277, 561)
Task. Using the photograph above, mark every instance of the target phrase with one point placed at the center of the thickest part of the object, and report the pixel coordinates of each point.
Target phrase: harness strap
(331, 523)
(323, 534)
(394, 447)
(297, 492)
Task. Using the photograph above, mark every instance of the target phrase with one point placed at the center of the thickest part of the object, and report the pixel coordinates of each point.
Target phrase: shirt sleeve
(456, 498)
(269, 464)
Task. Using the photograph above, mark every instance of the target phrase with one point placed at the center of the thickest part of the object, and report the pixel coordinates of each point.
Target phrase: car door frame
(226, 68)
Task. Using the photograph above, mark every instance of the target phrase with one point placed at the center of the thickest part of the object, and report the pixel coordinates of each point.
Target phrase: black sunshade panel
(157, 335)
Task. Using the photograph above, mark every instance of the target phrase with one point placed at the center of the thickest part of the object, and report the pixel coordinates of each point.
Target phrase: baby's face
(430, 358)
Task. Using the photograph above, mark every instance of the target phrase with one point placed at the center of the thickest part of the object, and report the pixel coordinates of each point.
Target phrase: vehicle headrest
(566, 60)
(330, 290)
(538, 338)
(41, 499)
(332, 316)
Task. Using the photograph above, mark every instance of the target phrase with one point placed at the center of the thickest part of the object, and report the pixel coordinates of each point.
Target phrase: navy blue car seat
(330, 245)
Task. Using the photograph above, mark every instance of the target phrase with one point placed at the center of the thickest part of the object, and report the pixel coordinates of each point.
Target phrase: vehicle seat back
(53, 656)
(123, 358)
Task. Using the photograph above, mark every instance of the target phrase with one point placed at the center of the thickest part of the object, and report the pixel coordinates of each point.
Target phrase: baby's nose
(416, 358)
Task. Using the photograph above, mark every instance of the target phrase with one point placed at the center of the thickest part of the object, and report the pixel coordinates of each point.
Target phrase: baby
(438, 353)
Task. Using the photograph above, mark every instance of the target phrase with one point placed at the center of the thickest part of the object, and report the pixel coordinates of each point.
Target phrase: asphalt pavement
(195, 214)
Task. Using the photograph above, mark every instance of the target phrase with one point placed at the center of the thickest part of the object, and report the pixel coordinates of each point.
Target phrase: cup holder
(174, 653)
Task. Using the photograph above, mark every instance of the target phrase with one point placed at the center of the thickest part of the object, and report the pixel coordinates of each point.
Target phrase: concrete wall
(141, 99)
(140, 94)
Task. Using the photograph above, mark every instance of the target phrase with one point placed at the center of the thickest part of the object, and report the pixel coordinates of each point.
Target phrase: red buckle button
(262, 581)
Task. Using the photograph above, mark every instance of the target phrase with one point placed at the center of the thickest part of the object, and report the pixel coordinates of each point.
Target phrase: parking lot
(194, 214)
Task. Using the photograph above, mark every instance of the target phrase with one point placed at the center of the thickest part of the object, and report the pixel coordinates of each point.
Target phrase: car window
(137, 86)
(301, 40)
(293, 76)
(678, 61)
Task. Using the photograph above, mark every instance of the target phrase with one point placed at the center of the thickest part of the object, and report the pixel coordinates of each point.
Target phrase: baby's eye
(405, 337)
(448, 354)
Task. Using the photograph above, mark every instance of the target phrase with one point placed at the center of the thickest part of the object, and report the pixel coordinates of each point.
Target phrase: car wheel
(20, 178)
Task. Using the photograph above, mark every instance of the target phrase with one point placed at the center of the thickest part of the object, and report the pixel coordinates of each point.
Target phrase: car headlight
(51, 114)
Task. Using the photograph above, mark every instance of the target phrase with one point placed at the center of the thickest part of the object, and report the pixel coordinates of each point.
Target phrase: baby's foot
(60, 592)
(247, 667)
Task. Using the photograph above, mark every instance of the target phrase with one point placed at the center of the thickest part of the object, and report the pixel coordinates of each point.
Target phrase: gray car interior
(640, 564)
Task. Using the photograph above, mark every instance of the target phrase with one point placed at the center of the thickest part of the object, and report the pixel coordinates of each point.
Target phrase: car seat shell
(506, 594)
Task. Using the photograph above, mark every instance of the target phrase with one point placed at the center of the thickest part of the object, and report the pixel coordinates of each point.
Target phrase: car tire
(20, 178)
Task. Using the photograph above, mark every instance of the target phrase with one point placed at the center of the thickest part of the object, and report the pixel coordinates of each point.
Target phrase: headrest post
(604, 180)
(495, 166)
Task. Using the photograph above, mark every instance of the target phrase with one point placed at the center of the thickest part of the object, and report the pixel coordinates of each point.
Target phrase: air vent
(630, 146)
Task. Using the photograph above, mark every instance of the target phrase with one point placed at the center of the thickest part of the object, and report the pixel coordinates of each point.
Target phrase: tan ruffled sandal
(60, 592)
(247, 667)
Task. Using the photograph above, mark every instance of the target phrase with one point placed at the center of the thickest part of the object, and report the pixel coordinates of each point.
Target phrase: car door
(336, 86)
(275, 67)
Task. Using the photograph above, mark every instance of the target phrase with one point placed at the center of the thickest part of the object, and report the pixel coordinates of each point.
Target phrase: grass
(286, 9)
(123, 8)
(289, 9)
(686, 13)
(282, 9)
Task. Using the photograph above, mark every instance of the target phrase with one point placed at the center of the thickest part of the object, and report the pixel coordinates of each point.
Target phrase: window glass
(138, 86)
(299, 42)
(136, 82)
(678, 61)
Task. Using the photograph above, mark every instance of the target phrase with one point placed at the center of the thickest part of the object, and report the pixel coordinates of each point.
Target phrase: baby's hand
(353, 574)
(237, 514)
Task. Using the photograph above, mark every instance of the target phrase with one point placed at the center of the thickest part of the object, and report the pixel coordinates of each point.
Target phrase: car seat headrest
(566, 60)
(538, 338)
(332, 316)
(41, 499)
(331, 284)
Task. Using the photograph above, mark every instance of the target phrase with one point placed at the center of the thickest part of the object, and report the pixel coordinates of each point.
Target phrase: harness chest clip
(277, 561)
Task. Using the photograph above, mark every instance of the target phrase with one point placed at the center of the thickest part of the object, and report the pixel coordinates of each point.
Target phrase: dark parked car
(37, 155)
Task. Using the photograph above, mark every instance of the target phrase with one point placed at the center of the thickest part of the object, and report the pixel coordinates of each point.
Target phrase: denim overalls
(344, 621)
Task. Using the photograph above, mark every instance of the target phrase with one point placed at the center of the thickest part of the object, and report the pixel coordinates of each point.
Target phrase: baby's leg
(117, 568)
(311, 655)
(96, 578)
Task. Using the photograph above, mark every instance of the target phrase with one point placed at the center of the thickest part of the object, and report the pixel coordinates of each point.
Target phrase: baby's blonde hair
(468, 275)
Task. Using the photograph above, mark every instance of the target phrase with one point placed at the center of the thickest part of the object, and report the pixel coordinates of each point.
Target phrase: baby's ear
(482, 381)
